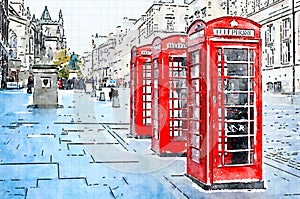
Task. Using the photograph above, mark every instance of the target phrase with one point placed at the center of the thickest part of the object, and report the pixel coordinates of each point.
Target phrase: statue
(73, 63)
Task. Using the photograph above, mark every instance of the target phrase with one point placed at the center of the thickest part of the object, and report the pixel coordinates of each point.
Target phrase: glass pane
(237, 143)
(182, 72)
(251, 142)
(219, 54)
(155, 83)
(195, 140)
(236, 113)
(219, 69)
(156, 134)
(251, 70)
(231, 158)
(251, 98)
(194, 126)
(236, 99)
(220, 85)
(236, 69)
(148, 121)
(195, 71)
(220, 113)
(195, 85)
(251, 157)
(195, 155)
(251, 55)
(251, 114)
(179, 61)
(235, 54)
(234, 84)
(195, 57)
(236, 128)
(195, 113)
(155, 68)
(252, 128)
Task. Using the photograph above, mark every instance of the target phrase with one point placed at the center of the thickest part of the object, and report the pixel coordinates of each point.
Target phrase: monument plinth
(45, 93)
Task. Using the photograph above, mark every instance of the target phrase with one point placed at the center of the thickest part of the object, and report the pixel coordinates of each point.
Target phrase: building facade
(31, 40)
(20, 43)
(53, 35)
(280, 31)
(280, 35)
(110, 59)
(4, 23)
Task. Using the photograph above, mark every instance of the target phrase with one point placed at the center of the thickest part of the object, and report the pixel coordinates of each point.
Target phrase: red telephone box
(169, 95)
(140, 100)
(225, 104)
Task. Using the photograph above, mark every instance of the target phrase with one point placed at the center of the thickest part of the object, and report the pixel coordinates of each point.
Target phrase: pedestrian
(84, 86)
(93, 83)
(30, 84)
(111, 93)
(115, 93)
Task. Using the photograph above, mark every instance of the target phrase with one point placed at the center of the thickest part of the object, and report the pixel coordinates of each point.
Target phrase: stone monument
(45, 93)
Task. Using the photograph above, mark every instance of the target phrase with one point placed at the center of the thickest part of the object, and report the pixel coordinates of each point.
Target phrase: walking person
(111, 93)
(30, 84)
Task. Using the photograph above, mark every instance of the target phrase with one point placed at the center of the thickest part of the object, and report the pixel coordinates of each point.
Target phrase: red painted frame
(210, 152)
(168, 111)
(140, 92)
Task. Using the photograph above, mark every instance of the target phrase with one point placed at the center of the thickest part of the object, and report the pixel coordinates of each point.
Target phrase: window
(286, 27)
(236, 119)
(286, 54)
(170, 25)
(178, 98)
(270, 34)
(155, 99)
(285, 33)
(147, 97)
(272, 57)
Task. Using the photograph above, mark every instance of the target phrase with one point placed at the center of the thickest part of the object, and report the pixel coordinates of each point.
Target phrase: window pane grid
(236, 119)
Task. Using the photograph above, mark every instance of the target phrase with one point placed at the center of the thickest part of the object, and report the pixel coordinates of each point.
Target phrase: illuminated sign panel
(233, 32)
(146, 52)
(176, 45)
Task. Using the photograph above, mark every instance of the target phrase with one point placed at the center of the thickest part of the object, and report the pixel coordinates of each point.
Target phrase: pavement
(84, 150)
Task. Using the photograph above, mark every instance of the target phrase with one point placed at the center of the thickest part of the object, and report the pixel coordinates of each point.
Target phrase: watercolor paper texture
(149, 99)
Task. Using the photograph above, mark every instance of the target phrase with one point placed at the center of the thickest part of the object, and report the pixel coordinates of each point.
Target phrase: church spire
(60, 19)
(28, 14)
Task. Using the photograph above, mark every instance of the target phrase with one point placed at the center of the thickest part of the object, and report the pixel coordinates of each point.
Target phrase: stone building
(20, 42)
(280, 35)
(111, 59)
(31, 40)
(53, 35)
(4, 23)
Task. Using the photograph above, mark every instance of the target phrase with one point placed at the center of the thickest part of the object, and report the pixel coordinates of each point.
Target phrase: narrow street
(83, 151)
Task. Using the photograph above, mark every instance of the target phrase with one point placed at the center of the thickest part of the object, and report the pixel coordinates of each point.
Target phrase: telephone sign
(233, 32)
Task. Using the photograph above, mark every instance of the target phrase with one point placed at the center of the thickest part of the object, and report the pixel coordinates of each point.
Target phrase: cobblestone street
(83, 151)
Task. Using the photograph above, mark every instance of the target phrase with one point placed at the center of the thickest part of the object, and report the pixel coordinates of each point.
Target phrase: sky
(84, 18)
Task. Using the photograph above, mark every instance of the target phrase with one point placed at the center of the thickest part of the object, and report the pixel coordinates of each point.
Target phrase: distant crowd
(71, 84)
